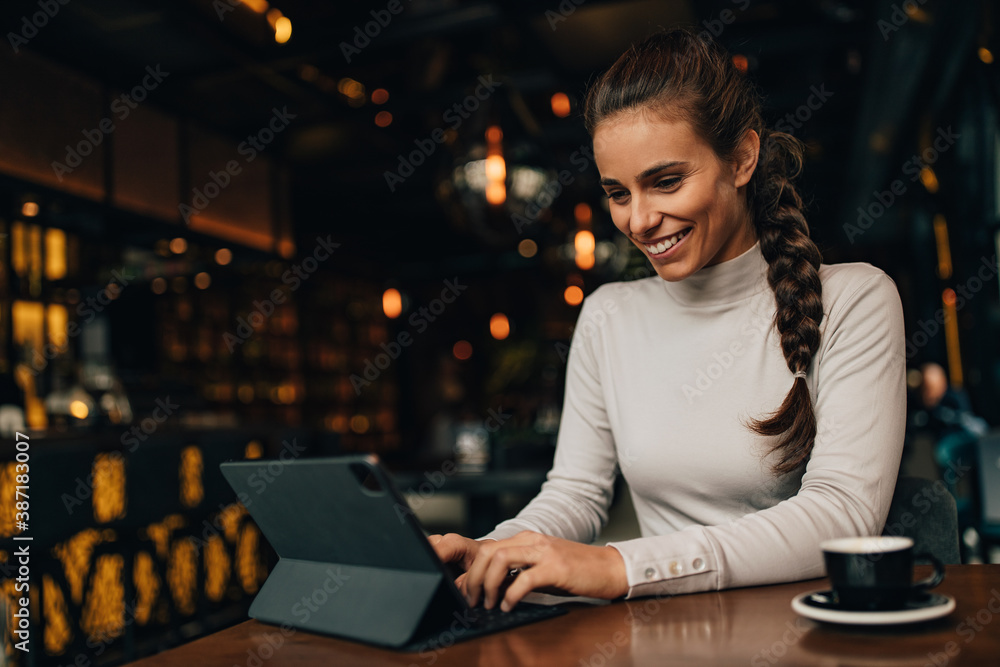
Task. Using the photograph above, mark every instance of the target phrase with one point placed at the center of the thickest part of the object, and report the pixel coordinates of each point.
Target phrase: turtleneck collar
(726, 282)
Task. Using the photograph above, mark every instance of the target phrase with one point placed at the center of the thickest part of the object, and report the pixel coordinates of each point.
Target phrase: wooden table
(749, 626)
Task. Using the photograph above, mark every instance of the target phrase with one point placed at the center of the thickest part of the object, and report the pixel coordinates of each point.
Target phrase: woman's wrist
(618, 574)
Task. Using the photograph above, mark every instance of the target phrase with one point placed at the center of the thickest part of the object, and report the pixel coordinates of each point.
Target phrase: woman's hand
(545, 563)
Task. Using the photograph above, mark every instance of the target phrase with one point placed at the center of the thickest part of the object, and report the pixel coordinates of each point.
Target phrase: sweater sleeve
(858, 389)
(573, 502)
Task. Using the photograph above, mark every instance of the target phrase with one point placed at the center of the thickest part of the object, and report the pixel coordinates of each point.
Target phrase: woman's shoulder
(853, 283)
(850, 275)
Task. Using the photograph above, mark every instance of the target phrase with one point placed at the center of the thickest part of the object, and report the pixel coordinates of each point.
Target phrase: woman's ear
(746, 157)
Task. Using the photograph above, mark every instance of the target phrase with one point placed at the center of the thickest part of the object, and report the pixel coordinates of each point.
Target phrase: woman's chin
(672, 271)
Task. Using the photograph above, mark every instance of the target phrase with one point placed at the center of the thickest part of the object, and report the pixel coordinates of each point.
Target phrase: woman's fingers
(498, 573)
(493, 562)
(525, 582)
(453, 548)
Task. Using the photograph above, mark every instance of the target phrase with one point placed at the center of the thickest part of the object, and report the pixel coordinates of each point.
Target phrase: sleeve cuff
(667, 569)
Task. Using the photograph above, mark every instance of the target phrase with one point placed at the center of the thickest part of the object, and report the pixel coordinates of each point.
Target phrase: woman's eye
(617, 195)
(668, 183)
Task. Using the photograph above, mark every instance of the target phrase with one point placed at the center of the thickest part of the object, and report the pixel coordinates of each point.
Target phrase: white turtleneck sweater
(661, 380)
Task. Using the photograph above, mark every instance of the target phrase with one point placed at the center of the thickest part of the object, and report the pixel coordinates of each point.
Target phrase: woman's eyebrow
(646, 173)
(657, 168)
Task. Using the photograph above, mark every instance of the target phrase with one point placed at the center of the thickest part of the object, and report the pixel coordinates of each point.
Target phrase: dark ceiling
(227, 73)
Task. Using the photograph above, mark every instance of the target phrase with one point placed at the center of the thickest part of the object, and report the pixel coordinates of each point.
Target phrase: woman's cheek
(619, 216)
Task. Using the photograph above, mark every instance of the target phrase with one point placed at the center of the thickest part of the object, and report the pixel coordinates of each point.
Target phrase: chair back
(989, 478)
(925, 511)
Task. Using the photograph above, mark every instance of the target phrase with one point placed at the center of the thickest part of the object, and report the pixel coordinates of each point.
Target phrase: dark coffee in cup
(875, 573)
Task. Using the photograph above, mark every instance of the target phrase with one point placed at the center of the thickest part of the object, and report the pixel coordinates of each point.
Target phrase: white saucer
(820, 608)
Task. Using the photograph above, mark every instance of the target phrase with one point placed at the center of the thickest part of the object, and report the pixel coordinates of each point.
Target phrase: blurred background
(250, 229)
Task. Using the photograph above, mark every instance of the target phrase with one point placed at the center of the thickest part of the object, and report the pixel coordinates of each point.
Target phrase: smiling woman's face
(671, 195)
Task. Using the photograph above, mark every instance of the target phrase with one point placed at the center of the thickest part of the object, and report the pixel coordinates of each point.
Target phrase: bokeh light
(499, 326)
(573, 295)
(527, 248)
(560, 105)
(392, 303)
(462, 350)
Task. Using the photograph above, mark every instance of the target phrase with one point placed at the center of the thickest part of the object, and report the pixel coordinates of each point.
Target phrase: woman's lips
(664, 247)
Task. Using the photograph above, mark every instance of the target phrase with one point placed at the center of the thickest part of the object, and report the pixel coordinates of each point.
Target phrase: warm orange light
(259, 6)
(494, 134)
(29, 209)
(178, 246)
(286, 248)
(496, 168)
(462, 350)
(741, 62)
(573, 295)
(392, 303)
(202, 280)
(282, 30)
(383, 119)
(79, 409)
(359, 424)
(583, 214)
(943, 247)
(929, 179)
(273, 15)
(986, 55)
(223, 256)
(496, 193)
(55, 254)
(351, 89)
(951, 341)
(380, 96)
(527, 248)
(584, 242)
(585, 261)
(560, 105)
(499, 326)
(57, 320)
(254, 450)
(159, 285)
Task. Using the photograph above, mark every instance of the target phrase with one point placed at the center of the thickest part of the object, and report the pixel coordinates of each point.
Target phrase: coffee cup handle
(934, 579)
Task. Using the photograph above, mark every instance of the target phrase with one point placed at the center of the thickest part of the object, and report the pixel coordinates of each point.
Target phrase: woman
(753, 398)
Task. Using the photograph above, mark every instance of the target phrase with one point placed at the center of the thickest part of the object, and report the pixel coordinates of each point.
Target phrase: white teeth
(662, 246)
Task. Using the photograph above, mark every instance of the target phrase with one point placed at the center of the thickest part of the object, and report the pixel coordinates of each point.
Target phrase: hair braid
(793, 272)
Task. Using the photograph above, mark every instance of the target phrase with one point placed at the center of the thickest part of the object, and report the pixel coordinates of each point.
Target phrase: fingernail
(505, 606)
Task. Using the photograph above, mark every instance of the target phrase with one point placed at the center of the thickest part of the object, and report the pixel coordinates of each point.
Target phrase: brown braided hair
(682, 74)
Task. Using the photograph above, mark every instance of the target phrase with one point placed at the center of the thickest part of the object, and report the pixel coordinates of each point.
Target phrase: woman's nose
(644, 218)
